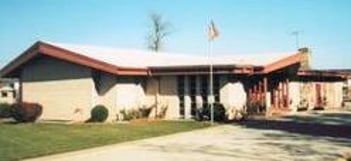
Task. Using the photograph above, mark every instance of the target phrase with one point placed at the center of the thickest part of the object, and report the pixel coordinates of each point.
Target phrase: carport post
(266, 98)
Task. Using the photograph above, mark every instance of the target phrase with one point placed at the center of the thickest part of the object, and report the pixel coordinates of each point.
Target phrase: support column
(287, 93)
(280, 95)
(187, 99)
(255, 92)
(158, 92)
(260, 91)
(19, 95)
(266, 96)
(198, 98)
(283, 94)
(250, 95)
(275, 98)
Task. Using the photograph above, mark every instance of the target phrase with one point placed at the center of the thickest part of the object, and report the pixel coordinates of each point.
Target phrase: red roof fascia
(41, 48)
(293, 59)
(321, 73)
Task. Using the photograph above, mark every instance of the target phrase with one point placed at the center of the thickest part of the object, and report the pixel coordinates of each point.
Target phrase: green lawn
(18, 141)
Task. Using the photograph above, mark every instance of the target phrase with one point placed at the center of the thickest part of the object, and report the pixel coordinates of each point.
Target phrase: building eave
(41, 48)
(321, 73)
(285, 62)
(190, 70)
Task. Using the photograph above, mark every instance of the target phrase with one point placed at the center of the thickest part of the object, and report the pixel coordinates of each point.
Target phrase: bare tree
(159, 29)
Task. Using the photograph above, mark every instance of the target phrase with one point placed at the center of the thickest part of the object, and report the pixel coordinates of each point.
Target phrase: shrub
(218, 113)
(130, 114)
(26, 112)
(127, 114)
(256, 107)
(5, 110)
(162, 111)
(303, 105)
(99, 113)
(144, 112)
(140, 113)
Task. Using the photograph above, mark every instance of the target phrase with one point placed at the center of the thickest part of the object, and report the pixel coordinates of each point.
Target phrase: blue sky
(246, 26)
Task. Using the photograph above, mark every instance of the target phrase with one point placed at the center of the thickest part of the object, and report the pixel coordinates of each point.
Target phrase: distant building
(347, 84)
(68, 78)
(8, 90)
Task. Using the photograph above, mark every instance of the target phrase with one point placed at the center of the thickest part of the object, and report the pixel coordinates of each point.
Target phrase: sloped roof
(136, 62)
(145, 59)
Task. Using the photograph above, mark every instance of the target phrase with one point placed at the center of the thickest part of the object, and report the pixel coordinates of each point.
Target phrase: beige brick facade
(169, 97)
(105, 93)
(63, 89)
(70, 80)
(68, 92)
(331, 93)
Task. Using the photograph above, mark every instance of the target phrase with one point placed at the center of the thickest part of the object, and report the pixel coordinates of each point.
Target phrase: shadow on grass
(327, 125)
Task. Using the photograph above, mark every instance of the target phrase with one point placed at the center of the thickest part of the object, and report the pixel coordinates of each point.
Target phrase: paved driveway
(255, 141)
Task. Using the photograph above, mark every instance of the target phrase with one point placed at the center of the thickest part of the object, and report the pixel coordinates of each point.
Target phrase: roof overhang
(41, 48)
(283, 63)
(321, 73)
(47, 49)
(203, 69)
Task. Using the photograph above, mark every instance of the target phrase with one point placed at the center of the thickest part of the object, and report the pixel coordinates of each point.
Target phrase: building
(8, 91)
(68, 80)
(346, 87)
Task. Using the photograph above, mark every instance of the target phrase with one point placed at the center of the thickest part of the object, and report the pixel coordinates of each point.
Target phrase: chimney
(304, 50)
(305, 60)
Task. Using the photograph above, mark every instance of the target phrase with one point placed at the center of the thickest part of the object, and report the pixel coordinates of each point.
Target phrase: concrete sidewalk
(221, 143)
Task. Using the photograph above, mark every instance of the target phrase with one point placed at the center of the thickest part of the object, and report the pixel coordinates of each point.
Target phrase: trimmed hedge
(5, 110)
(26, 112)
(99, 114)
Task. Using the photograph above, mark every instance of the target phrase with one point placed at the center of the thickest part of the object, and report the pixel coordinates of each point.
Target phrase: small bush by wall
(140, 113)
(5, 110)
(99, 114)
(128, 114)
(255, 107)
(144, 112)
(218, 113)
(26, 112)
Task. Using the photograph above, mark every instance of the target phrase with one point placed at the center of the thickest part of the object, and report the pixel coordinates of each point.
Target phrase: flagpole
(212, 33)
(211, 100)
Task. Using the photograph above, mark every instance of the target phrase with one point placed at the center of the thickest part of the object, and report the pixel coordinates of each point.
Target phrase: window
(192, 87)
(194, 82)
(3, 94)
(216, 87)
(204, 88)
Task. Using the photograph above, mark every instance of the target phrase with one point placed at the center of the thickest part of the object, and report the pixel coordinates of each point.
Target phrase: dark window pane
(3, 94)
(180, 87)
